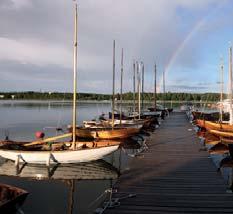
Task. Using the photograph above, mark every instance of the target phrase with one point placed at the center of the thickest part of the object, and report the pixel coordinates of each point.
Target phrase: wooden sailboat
(221, 133)
(209, 125)
(220, 125)
(158, 109)
(107, 132)
(155, 91)
(11, 198)
(120, 119)
(117, 124)
(69, 150)
(210, 116)
(110, 131)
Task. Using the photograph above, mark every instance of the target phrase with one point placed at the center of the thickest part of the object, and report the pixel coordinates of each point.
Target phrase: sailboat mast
(113, 83)
(164, 90)
(221, 89)
(142, 85)
(75, 79)
(139, 90)
(122, 55)
(155, 101)
(134, 71)
(230, 84)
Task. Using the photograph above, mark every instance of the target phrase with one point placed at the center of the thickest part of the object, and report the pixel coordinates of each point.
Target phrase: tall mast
(164, 90)
(75, 79)
(134, 71)
(122, 55)
(113, 84)
(139, 90)
(155, 101)
(142, 85)
(221, 89)
(230, 84)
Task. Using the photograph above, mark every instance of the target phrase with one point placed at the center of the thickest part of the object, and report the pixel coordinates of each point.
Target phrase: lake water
(76, 188)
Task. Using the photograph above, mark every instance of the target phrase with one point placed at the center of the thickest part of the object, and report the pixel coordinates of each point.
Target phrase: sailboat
(157, 109)
(145, 118)
(109, 129)
(221, 126)
(69, 150)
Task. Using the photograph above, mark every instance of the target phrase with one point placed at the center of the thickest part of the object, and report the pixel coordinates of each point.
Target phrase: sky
(185, 38)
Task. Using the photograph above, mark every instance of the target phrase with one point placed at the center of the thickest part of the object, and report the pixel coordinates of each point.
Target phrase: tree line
(100, 97)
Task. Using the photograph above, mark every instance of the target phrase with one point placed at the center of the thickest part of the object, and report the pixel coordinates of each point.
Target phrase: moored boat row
(92, 141)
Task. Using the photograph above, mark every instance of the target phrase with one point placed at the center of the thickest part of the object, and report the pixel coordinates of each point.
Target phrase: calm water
(76, 188)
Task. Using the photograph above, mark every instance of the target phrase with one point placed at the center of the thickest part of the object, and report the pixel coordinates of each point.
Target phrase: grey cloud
(148, 31)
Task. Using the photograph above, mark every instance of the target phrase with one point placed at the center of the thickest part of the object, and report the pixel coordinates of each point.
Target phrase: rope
(99, 197)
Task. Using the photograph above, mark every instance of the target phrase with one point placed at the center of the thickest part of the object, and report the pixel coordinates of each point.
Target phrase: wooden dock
(173, 175)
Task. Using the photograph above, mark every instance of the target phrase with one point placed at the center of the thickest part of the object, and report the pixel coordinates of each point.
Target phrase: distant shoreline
(106, 98)
(2, 101)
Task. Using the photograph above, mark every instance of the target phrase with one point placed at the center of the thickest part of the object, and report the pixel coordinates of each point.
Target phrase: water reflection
(68, 175)
(68, 188)
(77, 188)
(96, 170)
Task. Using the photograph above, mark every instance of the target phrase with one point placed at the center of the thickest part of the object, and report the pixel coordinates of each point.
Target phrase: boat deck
(173, 175)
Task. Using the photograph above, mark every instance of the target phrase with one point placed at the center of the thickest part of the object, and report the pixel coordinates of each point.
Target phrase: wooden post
(75, 79)
(122, 55)
(113, 84)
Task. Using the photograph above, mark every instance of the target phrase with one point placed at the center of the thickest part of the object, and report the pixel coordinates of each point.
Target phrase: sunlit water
(74, 191)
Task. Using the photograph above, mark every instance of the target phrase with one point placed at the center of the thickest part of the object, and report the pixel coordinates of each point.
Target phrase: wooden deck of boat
(173, 175)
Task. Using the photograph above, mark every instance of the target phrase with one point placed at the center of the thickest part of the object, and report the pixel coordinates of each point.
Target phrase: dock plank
(173, 176)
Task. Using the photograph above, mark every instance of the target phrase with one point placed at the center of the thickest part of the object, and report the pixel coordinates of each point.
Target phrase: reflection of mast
(119, 167)
(71, 185)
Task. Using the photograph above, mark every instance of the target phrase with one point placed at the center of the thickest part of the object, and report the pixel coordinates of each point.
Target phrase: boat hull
(66, 156)
(11, 198)
(107, 133)
(209, 125)
(222, 133)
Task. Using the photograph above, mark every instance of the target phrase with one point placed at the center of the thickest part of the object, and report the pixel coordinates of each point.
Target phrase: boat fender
(39, 135)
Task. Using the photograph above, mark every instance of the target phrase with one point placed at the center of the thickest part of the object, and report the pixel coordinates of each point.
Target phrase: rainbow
(182, 45)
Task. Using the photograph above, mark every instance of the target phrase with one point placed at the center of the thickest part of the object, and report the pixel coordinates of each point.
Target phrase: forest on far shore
(100, 97)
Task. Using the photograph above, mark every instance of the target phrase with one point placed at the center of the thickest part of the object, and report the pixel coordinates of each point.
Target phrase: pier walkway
(173, 176)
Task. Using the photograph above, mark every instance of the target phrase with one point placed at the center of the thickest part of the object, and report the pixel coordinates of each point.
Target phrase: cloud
(39, 34)
(14, 4)
(34, 52)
